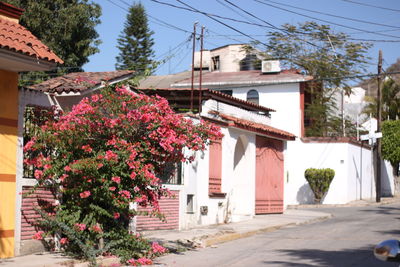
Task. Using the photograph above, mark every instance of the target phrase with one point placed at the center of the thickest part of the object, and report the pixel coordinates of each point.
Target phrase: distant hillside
(371, 85)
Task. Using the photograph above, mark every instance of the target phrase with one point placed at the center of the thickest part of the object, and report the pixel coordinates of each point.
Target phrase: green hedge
(319, 181)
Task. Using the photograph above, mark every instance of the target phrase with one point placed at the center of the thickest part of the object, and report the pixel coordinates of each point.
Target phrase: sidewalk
(214, 234)
(177, 241)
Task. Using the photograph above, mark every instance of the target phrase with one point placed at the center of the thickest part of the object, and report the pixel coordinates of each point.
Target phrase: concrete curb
(358, 203)
(226, 237)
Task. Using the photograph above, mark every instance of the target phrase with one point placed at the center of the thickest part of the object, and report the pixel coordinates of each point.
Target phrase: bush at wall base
(319, 181)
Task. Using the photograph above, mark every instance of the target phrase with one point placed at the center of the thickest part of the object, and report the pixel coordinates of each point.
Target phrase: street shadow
(383, 210)
(394, 233)
(305, 195)
(315, 257)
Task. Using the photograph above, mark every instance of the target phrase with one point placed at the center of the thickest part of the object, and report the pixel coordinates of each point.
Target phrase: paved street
(345, 240)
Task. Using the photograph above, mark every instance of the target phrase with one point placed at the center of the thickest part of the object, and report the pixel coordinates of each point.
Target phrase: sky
(362, 19)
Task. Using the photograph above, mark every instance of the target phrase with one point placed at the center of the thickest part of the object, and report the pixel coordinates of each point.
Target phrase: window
(171, 173)
(189, 203)
(215, 63)
(252, 96)
(228, 92)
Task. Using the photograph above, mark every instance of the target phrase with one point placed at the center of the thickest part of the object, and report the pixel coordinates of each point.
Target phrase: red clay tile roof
(79, 81)
(212, 94)
(258, 127)
(17, 38)
(250, 77)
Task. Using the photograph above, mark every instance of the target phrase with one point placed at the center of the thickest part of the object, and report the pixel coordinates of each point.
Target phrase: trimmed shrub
(319, 181)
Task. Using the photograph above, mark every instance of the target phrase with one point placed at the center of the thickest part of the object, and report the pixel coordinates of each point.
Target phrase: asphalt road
(346, 239)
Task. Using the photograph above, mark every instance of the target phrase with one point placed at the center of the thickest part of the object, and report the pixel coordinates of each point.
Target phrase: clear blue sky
(172, 43)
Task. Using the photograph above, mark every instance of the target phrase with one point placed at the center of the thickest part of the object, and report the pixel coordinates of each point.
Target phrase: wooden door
(269, 175)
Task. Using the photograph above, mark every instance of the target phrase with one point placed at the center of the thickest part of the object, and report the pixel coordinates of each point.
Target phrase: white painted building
(284, 91)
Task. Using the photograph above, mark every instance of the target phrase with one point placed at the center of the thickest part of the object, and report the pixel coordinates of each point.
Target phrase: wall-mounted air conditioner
(270, 66)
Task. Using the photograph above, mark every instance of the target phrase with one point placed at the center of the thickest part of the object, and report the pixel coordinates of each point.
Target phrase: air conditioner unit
(270, 66)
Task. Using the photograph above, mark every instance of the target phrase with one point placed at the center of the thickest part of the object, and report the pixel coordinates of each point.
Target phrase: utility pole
(201, 66)
(194, 49)
(378, 141)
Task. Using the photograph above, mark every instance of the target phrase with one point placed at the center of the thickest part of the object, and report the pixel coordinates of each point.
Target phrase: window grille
(171, 173)
(34, 117)
(252, 96)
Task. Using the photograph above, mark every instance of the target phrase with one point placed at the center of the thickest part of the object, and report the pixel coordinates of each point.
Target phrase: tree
(66, 26)
(97, 159)
(391, 143)
(135, 43)
(331, 58)
(390, 101)
(371, 85)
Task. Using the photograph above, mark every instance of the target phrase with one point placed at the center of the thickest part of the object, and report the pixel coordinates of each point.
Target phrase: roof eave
(244, 83)
(18, 62)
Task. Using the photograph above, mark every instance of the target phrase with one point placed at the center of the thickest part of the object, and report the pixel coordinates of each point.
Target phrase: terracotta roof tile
(79, 81)
(214, 94)
(258, 127)
(216, 78)
(15, 37)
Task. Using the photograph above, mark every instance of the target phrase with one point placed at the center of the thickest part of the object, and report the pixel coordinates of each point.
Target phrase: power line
(365, 4)
(226, 25)
(152, 19)
(326, 21)
(335, 16)
(209, 14)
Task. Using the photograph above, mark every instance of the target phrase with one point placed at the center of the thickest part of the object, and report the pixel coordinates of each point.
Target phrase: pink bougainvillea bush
(102, 155)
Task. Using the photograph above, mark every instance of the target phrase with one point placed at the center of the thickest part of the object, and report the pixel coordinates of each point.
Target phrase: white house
(286, 92)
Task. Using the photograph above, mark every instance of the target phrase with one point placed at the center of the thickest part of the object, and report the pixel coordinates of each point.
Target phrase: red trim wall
(215, 167)
(302, 86)
(28, 213)
(169, 207)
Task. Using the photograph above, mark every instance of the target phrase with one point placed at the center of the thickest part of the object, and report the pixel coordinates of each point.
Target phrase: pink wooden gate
(269, 175)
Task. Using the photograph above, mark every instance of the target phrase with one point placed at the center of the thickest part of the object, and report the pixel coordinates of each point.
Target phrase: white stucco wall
(283, 98)
(239, 202)
(353, 172)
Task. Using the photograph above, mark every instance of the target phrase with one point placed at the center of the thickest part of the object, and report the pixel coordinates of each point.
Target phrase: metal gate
(269, 175)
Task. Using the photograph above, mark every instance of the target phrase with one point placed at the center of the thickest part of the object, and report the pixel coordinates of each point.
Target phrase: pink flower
(85, 194)
(47, 166)
(157, 248)
(110, 155)
(96, 98)
(63, 177)
(144, 261)
(133, 175)
(140, 261)
(64, 241)
(125, 194)
(97, 229)
(112, 188)
(87, 148)
(38, 235)
(67, 168)
(99, 165)
(80, 226)
(38, 174)
(116, 179)
(29, 145)
(116, 215)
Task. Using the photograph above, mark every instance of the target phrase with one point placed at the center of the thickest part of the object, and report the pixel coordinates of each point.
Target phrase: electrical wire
(226, 25)
(326, 21)
(365, 4)
(209, 14)
(335, 16)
